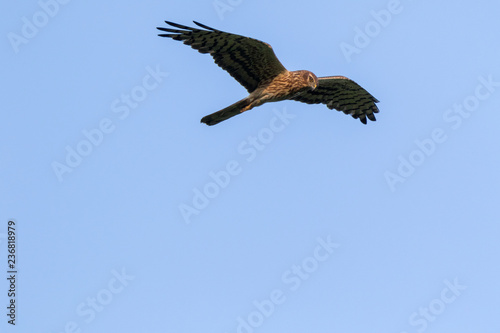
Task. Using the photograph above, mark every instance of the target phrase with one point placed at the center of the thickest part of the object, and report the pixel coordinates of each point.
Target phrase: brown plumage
(255, 66)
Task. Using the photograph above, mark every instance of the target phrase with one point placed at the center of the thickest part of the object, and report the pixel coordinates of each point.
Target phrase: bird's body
(278, 89)
(255, 66)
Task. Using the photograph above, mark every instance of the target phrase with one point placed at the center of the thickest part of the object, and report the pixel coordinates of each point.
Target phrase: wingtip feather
(204, 26)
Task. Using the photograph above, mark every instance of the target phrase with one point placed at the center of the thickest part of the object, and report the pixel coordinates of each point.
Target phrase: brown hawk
(255, 66)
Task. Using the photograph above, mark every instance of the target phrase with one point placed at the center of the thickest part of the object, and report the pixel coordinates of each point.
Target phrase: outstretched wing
(342, 94)
(248, 60)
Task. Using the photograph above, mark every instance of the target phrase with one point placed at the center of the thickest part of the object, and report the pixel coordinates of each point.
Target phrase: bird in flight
(255, 66)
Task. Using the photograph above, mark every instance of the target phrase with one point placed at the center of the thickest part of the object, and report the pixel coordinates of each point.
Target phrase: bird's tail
(226, 113)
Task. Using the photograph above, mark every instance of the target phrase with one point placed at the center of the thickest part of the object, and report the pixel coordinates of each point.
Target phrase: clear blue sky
(132, 216)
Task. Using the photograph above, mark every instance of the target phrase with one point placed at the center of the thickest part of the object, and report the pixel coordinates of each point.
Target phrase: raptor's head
(310, 79)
